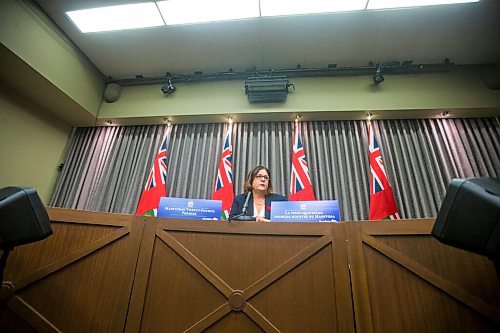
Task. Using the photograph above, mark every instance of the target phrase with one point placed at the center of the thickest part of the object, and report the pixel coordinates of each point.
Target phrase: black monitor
(23, 218)
(469, 217)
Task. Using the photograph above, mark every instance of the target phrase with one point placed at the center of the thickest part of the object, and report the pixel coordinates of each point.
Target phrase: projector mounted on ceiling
(267, 89)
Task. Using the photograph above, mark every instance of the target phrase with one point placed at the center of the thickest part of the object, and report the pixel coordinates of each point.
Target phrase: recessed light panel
(387, 4)
(299, 7)
(133, 16)
(200, 11)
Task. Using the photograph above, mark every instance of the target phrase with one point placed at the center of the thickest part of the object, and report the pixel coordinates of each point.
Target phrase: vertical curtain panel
(107, 167)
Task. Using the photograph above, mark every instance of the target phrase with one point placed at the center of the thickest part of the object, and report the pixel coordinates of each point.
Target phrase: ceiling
(465, 34)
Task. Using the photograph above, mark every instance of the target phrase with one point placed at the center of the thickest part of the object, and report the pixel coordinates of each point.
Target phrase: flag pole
(382, 204)
(168, 131)
(156, 184)
(224, 188)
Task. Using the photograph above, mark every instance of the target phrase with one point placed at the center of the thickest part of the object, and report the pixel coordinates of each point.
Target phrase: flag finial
(167, 121)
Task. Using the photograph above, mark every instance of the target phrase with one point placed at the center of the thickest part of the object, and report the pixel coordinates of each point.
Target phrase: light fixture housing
(267, 89)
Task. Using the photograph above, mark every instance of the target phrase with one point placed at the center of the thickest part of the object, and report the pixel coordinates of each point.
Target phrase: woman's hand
(261, 219)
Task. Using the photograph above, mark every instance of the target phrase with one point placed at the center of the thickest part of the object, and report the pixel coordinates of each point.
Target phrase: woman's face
(261, 180)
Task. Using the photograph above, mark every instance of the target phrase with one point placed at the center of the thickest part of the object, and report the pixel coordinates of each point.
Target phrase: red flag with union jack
(223, 189)
(300, 185)
(382, 204)
(156, 184)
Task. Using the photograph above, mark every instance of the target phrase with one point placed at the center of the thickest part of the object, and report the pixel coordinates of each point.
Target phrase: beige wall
(458, 90)
(32, 144)
(26, 32)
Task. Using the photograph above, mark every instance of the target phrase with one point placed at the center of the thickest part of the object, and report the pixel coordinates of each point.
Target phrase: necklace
(259, 203)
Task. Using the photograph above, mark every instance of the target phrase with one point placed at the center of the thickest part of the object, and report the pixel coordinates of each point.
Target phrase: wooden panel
(413, 283)
(80, 278)
(359, 283)
(229, 256)
(305, 311)
(11, 322)
(235, 322)
(343, 296)
(195, 276)
(109, 272)
(468, 271)
(174, 290)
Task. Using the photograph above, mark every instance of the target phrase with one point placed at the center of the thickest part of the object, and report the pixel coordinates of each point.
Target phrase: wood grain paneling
(468, 271)
(80, 278)
(235, 322)
(113, 273)
(413, 283)
(196, 276)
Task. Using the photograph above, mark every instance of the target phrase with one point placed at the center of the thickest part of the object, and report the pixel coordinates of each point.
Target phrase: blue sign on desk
(198, 209)
(305, 211)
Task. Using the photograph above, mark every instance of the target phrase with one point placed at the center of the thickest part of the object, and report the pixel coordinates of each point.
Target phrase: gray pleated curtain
(107, 167)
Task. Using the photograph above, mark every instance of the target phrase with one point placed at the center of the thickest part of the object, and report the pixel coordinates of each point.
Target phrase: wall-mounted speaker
(112, 92)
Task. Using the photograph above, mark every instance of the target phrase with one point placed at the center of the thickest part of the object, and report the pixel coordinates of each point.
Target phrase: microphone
(242, 216)
(245, 204)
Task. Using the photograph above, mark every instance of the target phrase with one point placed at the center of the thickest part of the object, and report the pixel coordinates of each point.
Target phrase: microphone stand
(242, 216)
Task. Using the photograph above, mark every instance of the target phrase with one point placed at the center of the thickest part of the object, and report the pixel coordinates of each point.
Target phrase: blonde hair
(251, 176)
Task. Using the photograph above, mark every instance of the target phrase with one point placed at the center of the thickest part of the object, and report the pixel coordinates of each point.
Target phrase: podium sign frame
(197, 209)
(305, 211)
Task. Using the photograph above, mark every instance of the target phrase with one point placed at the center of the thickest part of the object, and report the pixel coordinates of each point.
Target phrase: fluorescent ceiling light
(145, 15)
(297, 7)
(198, 11)
(386, 4)
(133, 16)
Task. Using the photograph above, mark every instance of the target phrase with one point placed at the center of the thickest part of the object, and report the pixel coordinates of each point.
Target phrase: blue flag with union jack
(224, 189)
(382, 203)
(156, 185)
(300, 185)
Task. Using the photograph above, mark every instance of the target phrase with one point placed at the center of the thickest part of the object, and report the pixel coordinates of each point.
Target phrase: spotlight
(168, 88)
(378, 77)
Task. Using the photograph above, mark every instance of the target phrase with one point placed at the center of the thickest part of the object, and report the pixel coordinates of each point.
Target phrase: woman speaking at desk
(255, 202)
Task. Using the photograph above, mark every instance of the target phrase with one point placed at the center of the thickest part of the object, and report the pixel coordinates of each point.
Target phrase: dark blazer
(239, 201)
